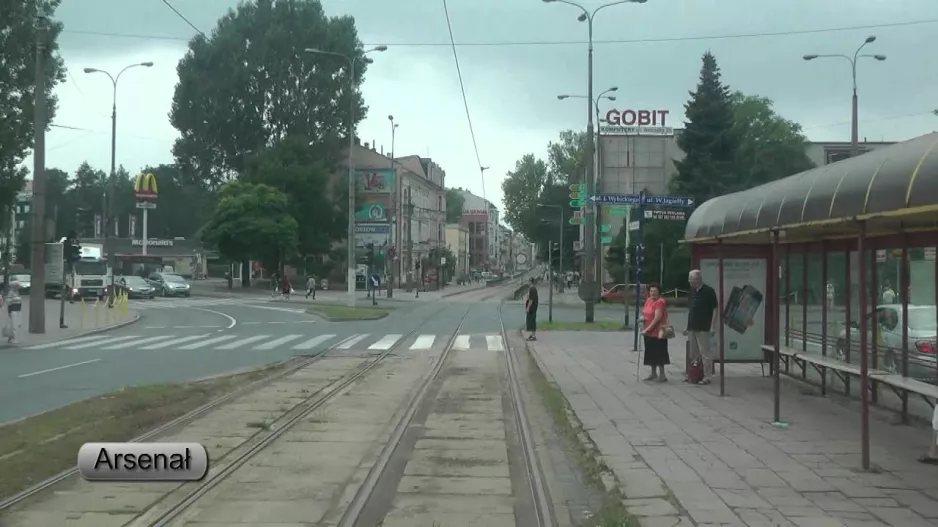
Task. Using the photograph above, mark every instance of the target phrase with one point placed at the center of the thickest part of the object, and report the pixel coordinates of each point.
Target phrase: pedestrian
(14, 303)
(931, 455)
(285, 286)
(702, 307)
(311, 287)
(655, 334)
(889, 296)
(530, 310)
(830, 295)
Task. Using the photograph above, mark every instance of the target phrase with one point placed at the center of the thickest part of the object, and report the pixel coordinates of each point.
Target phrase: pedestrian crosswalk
(269, 342)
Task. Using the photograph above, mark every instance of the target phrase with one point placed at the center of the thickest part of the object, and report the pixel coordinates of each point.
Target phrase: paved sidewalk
(685, 456)
(81, 320)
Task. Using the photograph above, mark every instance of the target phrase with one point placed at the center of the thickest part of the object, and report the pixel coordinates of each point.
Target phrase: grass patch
(599, 325)
(334, 312)
(611, 512)
(39, 447)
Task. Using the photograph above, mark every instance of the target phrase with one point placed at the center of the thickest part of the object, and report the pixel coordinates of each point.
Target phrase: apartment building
(457, 241)
(481, 218)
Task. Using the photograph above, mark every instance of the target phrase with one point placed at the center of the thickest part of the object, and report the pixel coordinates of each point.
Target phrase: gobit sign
(637, 122)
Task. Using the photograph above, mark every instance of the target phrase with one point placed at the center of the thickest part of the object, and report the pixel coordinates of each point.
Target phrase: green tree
(770, 146)
(454, 204)
(251, 85)
(522, 189)
(709, 141)
(24, 251)
(252, 222)
(291, 167)
(566, 158)
(18, 34)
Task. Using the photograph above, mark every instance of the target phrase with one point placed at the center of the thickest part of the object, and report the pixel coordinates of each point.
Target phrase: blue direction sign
(639, 199)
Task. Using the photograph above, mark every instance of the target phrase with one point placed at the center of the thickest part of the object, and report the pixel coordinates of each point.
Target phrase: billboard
(371, 181)
(371, 210)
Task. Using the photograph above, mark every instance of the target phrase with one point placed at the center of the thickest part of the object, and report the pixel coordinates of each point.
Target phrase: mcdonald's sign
(145, 186)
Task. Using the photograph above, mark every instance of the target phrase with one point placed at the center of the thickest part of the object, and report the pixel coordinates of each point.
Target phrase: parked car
(25, 281)
(619, 292)
(168, 284)
(885, 329)
(135, 287)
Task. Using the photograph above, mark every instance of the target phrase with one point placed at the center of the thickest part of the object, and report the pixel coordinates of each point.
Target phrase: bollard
(97, 312)
(81, 313)
(107, 311)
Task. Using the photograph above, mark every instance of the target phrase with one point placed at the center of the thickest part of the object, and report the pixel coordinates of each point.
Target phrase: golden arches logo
(145, 186)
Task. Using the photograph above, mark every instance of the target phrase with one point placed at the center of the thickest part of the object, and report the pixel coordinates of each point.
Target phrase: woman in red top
(654, 320)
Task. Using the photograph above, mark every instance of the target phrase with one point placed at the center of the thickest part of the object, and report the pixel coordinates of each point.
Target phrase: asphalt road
(185, 339)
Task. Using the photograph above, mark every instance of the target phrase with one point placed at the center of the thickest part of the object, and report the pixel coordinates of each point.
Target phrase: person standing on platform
(530, 310)
(655, 318)
(702, 304)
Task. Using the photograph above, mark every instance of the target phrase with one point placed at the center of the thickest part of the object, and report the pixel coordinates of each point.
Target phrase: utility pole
(396, 209)
(37, 294)
(410, 242)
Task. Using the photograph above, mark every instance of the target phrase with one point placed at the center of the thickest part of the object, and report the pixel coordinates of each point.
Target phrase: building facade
(457, 241)
(480, 217)
(424, 225)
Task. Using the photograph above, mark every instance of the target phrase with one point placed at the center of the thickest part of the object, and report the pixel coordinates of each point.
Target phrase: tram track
(263, 438)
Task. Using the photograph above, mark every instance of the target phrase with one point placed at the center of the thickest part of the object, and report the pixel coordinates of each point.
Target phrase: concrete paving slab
(446, 505)
(65, 519)
(251, 511)
(432, 519)
(452, 485)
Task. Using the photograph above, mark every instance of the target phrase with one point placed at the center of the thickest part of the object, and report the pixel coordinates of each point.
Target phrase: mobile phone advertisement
(743, 311)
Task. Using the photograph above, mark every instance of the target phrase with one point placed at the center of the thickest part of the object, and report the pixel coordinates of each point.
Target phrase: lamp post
(598, 169)
(350, 242)
(589, 230)
(854, 134)
(398, 223)
(109, 187)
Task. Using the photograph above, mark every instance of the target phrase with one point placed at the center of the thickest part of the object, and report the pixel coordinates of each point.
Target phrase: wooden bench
(899, 384)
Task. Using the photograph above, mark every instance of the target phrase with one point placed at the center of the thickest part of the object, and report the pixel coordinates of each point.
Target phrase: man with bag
(702, 306)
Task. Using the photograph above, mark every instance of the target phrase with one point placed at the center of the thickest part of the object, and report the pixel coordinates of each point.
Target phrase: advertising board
(743, 312)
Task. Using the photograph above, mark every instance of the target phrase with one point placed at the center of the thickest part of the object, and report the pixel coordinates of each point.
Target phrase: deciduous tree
(522, 188)
(251, 85)
(252, 222)
(454, 204)
(770, 146)
(18, 33)
(566, 158)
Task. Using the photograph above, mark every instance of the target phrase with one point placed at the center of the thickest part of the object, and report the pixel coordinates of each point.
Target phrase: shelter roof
(890, 189)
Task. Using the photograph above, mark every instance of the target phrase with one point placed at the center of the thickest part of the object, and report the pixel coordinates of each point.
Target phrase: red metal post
(722, 325)
(904, 297)
(863, 293)
(847, 300)
(788, 296)
(804, 298)
(824, 279)
(777, 386)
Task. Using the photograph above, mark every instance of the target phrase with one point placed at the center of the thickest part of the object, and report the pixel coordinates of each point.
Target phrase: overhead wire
(465, 100)
(183, 17)
(508, 43)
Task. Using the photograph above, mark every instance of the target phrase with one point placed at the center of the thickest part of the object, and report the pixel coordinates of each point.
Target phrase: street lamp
(854, 133)
(590, 227)
(598, 170)
(350, 242)
(108, 188)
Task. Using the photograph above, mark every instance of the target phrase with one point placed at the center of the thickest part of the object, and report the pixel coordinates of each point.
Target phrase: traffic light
(72, 250)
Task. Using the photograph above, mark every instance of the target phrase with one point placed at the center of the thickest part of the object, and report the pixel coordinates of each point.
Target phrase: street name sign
(146, 205)
(636, 199)
(635, 225)
(674, 215)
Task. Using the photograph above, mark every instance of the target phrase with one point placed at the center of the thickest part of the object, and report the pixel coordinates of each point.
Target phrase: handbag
(666, 332)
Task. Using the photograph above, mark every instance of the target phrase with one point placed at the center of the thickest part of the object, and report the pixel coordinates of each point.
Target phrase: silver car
(168, 284)
(885, 329)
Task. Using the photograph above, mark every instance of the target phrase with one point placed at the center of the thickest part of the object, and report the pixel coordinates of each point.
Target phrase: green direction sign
(617, 211)
(576, 203)
(578, 187)
(576, 220)
(575, 195)
(605, 239)
(604, 227)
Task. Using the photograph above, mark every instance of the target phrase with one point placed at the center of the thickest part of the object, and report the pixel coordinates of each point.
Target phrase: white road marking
(351, 341)
(313, 342)
(71, 341)
(386, 342)
(423, 342)
(274, 343)
(271, 308)
(238, 343)
(40, 372)
(100, 342)
(461, 342)
(494, 342)
(173, 342)
(203, 343)
(121, 345)
(219, 313)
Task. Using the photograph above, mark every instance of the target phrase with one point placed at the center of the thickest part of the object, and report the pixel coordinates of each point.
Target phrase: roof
(888, 188)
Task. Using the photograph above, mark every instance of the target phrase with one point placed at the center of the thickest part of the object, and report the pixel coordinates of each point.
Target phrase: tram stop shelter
(806, 269)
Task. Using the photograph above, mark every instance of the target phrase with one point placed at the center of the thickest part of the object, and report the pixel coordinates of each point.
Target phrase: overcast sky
(512, 89)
